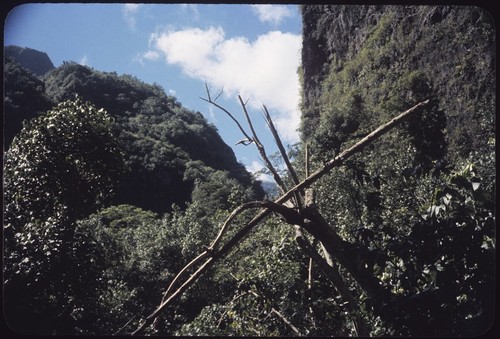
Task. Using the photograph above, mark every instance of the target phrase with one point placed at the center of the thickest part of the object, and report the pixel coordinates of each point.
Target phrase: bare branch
(339, 159)
(280, 316)
(210, 261)
(232, 301)
(261, 149)
(200, 257)
(321, 233)
(248, 140)
(310, 273)
(307, 168)
(277, 139)
(210, 101)
(244, 141)
(244, 106)
(234, 214)
(209, 250)
(125, 326)
(220, 93)
(149, 320)
(208, 92)
(284, 156)
(287, 322)
(359, 145)
(338, 282)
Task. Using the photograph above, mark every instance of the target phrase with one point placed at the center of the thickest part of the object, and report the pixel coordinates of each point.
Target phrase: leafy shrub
(60, 168)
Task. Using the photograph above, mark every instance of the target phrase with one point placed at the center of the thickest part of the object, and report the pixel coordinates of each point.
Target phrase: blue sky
(249, 50)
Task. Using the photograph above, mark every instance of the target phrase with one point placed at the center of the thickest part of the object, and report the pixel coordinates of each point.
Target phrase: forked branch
(322, 233)
(213, 102)
(262, 150)
(248, 139)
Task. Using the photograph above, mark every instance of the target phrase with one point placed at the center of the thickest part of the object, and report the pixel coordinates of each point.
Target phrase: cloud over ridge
(263, 70)
(129, 11)
(272, 13)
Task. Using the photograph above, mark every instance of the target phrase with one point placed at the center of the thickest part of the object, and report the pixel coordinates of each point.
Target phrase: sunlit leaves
(66, 157)
(61, 166)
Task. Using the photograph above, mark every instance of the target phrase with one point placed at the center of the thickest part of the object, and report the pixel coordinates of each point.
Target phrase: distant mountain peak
(35, 61)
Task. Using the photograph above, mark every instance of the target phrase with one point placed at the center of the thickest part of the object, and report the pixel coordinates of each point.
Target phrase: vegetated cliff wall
(365, 52)
(361, 65)
(330, 31)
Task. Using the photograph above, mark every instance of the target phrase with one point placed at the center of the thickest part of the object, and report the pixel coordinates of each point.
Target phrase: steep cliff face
(329, 31)
(366, 51)
(361, 66)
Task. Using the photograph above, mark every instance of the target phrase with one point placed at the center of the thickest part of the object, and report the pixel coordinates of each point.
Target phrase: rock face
(331, 31)
(362, 65)
(368, 49)
(37, 62)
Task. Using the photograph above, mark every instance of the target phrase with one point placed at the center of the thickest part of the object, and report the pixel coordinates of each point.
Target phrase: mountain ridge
(162, 138)
(31, 59)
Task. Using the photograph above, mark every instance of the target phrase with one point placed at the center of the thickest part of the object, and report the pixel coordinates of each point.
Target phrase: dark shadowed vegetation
(111, 187)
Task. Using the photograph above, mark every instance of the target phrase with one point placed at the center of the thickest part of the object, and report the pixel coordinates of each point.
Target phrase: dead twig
(287, 322)
(283, 153)
(125, 326)
(262, 150)
(212, 102)
(281, 148)
(279, 315)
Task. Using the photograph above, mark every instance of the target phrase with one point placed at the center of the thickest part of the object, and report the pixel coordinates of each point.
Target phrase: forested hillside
(112, 188)
(78, 140)
(160, 139)
(24, 98)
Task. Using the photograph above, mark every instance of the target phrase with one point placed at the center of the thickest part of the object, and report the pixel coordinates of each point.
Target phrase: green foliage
(119, 95)
(217, 190)
(60, 167)
(388, 64)
(158, 135)
(141, 253)
(388, 44)
(66, 164)
(67, 157)
(24, 98)
(446, 262)
(139, 257)
(267, 270)
(417, 207)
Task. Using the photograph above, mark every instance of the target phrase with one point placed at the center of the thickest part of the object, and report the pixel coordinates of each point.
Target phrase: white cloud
(263, 71)
(84, 61)
(272, 13)
(151, 55)
(211, 113)
(129, 12)
(193, 8)
(131, 8)
(255, 167)
(192, 49)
